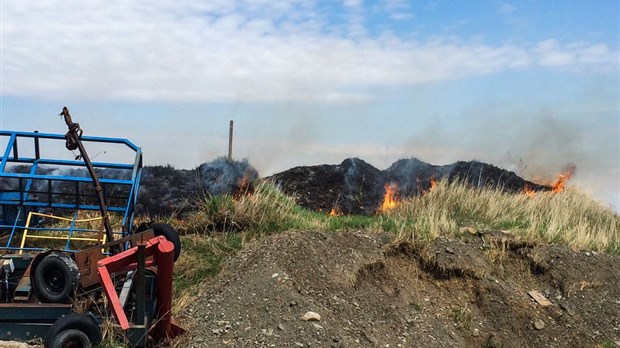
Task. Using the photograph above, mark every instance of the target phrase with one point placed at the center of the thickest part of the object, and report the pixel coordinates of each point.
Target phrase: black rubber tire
(79, 322)
(142, 227)
(71, 338)
(171, 235)
(55, 278)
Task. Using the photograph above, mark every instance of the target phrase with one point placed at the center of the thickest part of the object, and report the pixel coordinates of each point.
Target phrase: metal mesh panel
(54, 192)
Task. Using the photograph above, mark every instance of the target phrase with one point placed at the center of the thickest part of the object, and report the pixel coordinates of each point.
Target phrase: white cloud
(505, 7)
(399, 10)
(352, 3)
(255, 50)
(576, 55)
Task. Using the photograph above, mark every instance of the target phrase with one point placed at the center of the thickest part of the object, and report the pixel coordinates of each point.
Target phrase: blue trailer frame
(42, 282)
(39, 183)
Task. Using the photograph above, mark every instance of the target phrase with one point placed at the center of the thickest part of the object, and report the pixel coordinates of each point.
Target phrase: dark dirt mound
(468, 292)
(352, 187)
(165, 190)
(478, 174)
(356, 187)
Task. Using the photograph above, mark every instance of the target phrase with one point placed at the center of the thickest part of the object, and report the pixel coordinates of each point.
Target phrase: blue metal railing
(62, 187)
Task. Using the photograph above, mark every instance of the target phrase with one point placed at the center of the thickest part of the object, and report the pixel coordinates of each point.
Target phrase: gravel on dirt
(465, 292)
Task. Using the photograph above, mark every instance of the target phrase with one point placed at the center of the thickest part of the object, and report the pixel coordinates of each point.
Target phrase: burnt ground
(351, 187)
(466, 292)
(356, 187)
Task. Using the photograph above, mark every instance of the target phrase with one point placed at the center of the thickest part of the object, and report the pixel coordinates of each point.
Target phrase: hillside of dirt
(475, 291)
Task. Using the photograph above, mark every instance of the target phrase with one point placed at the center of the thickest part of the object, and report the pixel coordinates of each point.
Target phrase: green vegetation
(462, 318)
(607, 344)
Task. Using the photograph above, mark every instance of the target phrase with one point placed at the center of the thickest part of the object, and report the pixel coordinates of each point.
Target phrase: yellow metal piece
(63, 237)
(21, 246)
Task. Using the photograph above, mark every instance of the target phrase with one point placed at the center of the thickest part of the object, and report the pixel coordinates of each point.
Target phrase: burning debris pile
(165, 190)
(356, 187)
(351, 187)
(347, 188)
(226, 177)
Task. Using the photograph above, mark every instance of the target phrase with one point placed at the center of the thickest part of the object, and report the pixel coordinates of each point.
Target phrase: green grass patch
(462, 318)
(202, 257)
(351, 222)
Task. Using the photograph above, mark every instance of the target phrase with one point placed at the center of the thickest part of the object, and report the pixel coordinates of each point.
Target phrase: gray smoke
(222, 176)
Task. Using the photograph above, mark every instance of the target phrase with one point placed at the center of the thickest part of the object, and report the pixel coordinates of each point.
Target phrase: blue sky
(531, 86)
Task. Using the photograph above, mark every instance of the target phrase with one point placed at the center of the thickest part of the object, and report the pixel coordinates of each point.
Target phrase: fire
(560, 182)
(556, 186)
(389, 199)
(243, 187)
(334, 212)
(433, 184)
(528, 191)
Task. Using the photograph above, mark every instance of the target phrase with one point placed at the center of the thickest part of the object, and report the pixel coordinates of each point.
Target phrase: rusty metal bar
(73, 142)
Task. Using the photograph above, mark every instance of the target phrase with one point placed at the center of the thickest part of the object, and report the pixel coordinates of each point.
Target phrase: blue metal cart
(61, 214)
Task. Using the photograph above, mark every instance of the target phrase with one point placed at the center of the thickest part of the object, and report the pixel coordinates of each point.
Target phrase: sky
(531, 86)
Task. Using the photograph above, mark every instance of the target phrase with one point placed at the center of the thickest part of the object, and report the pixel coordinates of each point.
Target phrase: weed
(462, 318)
(416, 306)
(607, 344)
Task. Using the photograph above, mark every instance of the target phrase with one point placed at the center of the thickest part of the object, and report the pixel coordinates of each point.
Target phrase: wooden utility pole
(230, 141)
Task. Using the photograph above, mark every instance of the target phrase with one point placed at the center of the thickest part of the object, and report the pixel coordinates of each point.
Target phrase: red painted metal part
(163, 256)
(165, 261)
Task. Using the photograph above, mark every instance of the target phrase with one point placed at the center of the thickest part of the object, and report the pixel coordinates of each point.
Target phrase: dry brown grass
(570, 217)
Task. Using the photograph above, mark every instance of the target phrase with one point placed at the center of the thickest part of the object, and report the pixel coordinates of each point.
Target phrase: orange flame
(559, 183)
(334, 212)
(243, 187)
(528, 191)
(389, 199)
(433, 184)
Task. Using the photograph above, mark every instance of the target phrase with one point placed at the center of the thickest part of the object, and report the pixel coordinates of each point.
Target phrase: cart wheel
(55, 278)
(171, 235)
(74, 330)
(70, 339)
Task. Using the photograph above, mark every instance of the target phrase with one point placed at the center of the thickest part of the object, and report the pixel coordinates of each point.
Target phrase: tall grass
(570, 217)
(266, 210)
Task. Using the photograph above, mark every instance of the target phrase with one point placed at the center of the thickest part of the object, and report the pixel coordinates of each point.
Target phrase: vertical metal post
(37, 153)
(230, 141)
(15, 153)
(165, 266)
(140, 285)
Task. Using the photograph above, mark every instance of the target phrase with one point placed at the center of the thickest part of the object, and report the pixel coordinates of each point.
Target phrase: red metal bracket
(163, 257)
